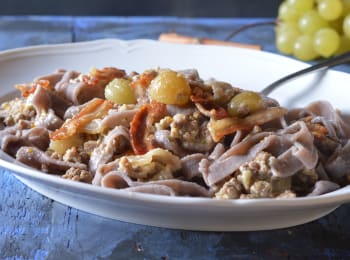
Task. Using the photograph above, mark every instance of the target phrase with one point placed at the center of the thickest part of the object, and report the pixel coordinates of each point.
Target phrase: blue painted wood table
(35, 227)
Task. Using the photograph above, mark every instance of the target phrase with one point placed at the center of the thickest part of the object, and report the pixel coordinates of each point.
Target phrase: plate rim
(100, 44)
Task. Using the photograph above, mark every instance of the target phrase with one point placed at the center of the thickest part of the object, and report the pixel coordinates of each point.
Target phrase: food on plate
(172, 133)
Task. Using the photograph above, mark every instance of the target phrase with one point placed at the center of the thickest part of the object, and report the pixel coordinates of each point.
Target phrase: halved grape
(120, 92)
(326, 42)
(171, 88)
(304, 49)
(330, 9)
(245, 103)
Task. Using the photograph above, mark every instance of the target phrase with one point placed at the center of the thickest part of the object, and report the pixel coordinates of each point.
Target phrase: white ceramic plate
(243, 68)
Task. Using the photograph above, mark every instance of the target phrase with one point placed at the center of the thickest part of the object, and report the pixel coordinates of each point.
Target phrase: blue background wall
(187, 8)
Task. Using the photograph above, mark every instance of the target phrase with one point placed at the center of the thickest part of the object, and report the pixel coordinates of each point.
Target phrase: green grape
(287, 13)
(245, 103)
(346, 25)
(301, 5)
(330, 9)
(304, 49)
(285, 26)
(346, 7)
(171, 88)
(344, 45)
(337, 25)
(313, 28)
(326, 42)
(120, 92)
(286, 37)
(310, 22)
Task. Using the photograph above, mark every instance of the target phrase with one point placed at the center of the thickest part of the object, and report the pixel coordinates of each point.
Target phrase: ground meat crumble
(254, 179)
(192, 132)
(80, 175)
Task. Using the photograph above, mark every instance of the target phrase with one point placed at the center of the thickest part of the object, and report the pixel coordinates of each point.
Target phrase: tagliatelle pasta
(172, 133)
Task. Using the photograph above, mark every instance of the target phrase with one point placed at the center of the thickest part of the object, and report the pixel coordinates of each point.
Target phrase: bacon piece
(104, 75)
(144, 80)
(201, 95)
(140, 127)
(215, 113)
(96, 108)
(317, 130)
(27, 89)
(204, 102)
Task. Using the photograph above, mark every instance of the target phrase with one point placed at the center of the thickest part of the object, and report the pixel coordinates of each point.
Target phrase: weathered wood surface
(35, 227)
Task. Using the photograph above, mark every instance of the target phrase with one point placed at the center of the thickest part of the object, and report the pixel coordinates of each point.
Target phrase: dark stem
(248, 26)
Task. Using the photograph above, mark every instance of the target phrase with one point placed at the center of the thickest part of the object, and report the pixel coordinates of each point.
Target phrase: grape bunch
(309, 29)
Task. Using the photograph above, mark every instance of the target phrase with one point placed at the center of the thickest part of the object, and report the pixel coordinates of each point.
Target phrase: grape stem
(248, 26)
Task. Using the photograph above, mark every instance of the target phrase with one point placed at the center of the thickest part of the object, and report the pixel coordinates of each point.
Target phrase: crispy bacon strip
(141, 125)
(138, 128)
(27, 89)
(205, 104)
(215, 112)
(199, 95)
(144, 80)
(229, 125)
(103, 76)
(96, 108)
(317, 130)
